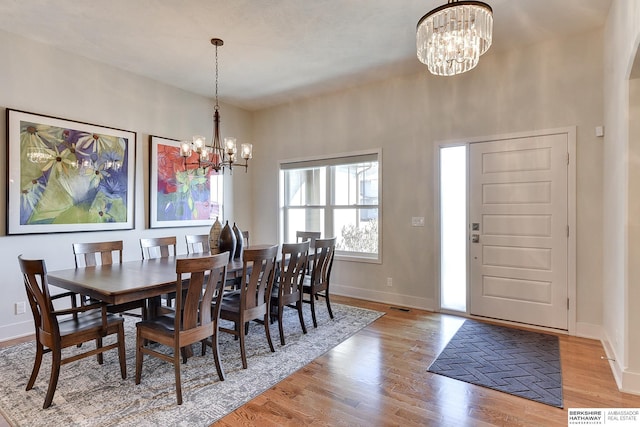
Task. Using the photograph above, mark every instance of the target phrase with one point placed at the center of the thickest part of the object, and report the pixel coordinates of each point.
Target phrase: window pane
(216, 193)
(356, 184)
(305, 187)
(453, 238)
(303, 219)
(356, 229)
(337, 196)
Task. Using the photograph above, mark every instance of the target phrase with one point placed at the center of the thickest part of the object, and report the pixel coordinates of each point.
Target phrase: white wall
(621, 272)
(551, 85)
(38, 79)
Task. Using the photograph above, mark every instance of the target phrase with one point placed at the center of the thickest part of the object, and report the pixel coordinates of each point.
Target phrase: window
(216, 193)
(338, 196)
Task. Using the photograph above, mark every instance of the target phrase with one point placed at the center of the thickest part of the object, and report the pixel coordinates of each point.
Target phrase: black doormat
(514, 361)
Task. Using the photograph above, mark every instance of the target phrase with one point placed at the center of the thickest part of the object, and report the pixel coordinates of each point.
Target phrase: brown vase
(227, 241)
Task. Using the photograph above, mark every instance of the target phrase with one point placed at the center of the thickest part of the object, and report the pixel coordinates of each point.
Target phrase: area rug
(514, 361)
(89, 394)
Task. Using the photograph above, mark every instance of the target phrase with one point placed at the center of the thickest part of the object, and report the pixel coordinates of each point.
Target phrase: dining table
(129, 281)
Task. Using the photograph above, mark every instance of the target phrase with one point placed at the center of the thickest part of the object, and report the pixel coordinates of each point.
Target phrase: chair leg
(268, 332)
(313, 310)
(122, 358)
(176, 366)
(300, 316)
(216, 353)
(99, 355)
(36, 366)
(53, 380)
(243, 354)
(280, 327)
(326, 297)
(139, 345)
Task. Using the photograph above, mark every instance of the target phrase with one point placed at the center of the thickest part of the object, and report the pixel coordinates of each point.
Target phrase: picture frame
(68, 176)
(181, 194)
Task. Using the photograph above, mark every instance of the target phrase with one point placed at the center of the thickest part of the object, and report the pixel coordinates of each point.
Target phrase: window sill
(359, 258)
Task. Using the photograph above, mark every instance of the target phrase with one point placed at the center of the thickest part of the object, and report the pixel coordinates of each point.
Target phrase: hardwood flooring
(379, 377)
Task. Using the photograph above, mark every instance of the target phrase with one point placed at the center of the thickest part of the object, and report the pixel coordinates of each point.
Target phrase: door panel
(518, 196)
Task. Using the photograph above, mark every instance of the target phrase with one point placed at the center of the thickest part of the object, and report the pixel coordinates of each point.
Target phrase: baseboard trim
(16, 330)
(589, 330)
(410, 301)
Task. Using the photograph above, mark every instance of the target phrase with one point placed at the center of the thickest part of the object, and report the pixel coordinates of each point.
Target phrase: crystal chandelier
(216, 156)
(451, 38)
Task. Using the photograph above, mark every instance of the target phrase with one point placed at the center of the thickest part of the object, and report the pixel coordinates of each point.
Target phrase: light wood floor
(379, 377)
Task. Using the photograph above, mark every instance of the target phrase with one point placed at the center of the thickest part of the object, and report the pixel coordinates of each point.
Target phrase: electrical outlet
(21, 307)
(389, 281)
(417, 221)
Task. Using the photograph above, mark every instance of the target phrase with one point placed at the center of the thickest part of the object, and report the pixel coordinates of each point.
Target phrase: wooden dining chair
(104, 253)
(97, 253)
(197, 243)
(195, 318)
(301, 236)
(158, 247)
(62, 328)
(317, 284)
(287, 289)
(253, 299)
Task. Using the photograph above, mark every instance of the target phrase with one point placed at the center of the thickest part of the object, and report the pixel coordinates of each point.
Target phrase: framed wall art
(67, 176)
(182, 194)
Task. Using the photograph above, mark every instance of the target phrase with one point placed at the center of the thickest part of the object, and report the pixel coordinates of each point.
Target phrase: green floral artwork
(71, 176)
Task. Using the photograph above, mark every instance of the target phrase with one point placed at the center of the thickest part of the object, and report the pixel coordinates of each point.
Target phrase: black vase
(239, 242)
(227, 241)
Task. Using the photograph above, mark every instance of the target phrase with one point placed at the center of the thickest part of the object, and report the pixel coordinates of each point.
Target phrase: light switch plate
(417, 221)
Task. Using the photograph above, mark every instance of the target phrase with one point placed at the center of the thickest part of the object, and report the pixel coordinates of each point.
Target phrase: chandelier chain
(216, 107)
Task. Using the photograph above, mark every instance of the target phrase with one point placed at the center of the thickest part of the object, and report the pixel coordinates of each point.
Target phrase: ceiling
(274, 50)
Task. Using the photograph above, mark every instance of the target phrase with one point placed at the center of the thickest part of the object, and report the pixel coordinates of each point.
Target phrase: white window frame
(329, 206)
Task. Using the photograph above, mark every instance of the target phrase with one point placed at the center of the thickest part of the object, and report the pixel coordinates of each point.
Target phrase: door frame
(570, 131)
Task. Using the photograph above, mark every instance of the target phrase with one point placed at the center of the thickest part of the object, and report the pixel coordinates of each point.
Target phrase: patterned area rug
(89, 394)
(522, 363)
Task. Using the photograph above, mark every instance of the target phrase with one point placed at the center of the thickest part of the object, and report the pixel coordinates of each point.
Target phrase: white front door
(518, 215)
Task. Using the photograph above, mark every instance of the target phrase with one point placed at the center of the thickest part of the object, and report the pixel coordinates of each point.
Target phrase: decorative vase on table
(214, 237)
(239, 242)
(227, 241)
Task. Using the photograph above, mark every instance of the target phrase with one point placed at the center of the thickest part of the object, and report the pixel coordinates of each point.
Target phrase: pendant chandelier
(216, 156)
(451, 38)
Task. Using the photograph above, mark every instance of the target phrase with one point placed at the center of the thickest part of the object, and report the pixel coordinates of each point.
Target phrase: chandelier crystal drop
(216, 156)
(451, 38)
